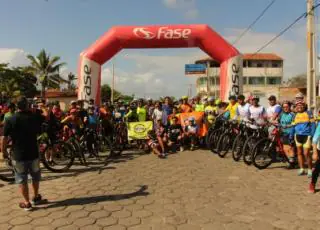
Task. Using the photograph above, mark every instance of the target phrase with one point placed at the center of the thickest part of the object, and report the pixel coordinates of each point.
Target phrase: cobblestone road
(189, 190)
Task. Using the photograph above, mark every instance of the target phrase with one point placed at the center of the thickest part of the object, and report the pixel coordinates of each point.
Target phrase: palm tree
(71, 78)
(46, 68)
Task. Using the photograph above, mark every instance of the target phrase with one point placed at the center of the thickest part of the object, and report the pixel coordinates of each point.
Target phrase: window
(256, 80)
(202, 81)
(214, 81)
(273, 80)
(276, 64)
(214, 64)
(259, 64)
(245, 64)
(245, 80)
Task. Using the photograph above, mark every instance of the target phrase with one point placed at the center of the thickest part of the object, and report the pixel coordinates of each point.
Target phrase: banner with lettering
(139, 130)
(199, 118)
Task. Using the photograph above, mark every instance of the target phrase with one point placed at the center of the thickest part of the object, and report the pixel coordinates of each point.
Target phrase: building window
(245, 64)
(214, 64)
(273, 80)
(214, 81)
(259, 65)
(256, 80)
(250, 64)
(245, 80)
(276, 64)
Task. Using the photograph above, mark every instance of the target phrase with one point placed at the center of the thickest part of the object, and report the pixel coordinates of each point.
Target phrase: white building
(262, 75)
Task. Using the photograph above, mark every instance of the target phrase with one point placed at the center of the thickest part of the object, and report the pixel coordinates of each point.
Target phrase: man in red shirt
(185, 107)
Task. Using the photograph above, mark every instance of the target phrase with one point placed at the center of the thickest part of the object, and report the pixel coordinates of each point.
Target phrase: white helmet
(211, 99)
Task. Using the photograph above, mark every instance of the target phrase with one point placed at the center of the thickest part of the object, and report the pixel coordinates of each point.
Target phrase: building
(64, 97)
(262, 75)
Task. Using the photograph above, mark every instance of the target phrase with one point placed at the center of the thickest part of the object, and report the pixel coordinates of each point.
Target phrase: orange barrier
(199, 118)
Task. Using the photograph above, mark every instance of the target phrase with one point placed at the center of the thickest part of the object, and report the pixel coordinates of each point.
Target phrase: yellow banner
(139, 130)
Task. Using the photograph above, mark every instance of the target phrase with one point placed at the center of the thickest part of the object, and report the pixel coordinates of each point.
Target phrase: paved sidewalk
(189, 190)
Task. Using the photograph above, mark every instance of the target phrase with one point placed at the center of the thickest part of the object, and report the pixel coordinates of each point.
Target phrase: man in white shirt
(243, 113)
(274, 109)
(257, 112)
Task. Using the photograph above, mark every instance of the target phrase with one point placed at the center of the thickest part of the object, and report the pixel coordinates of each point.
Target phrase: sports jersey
(243, 112)
(304, 124)
(232, 109)
(142, 113)
(192, 129)
(210, 110)
(273, 110)
(199, 107)
(257, 113)
(174, 131)
(286, 119)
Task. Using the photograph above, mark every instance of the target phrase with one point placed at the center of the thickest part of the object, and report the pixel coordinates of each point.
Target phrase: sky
(66, 27)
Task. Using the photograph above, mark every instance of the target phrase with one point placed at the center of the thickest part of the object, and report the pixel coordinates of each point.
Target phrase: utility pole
(311, 63)
(112, 87)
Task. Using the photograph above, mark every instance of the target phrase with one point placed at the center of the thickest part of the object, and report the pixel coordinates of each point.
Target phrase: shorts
(285, 140)
(303, 141)
(23, 168)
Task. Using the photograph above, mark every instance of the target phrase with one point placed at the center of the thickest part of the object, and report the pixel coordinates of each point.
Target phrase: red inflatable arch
(166, 36)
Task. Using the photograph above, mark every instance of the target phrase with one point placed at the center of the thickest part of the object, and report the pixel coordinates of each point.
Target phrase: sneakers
(36, 200)
(181, 149)
(301, 172)
(26, 207)
(192, 147)
(309, 173)
(312, 188)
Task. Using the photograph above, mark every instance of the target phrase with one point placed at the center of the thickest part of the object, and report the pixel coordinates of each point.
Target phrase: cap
(73, 102)
(272, 98)
(232, 97)
(184, 97)
(299, 95)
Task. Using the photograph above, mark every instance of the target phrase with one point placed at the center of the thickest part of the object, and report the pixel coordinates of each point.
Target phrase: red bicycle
(269, 150)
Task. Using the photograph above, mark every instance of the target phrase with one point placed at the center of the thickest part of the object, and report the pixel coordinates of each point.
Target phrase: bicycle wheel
(263, 154)
(6, 168)
(214, 140)
(237, 147)
(223, 146)
(246, 150)
(58, 158)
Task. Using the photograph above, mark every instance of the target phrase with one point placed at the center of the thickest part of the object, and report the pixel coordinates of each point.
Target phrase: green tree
(106, 93)
(17, 81)
(70, 81)
(299, 80)
(46, 68)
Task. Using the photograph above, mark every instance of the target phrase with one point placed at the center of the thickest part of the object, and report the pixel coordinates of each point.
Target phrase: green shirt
(199, 108)
(142, 114)
(7, 116)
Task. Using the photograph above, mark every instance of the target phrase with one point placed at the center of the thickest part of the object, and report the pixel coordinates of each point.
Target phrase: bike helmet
(218, 101)
(184, 97)
(299, 95)
(232, 97)
(241, 97)
(191, 119)
(211, 99)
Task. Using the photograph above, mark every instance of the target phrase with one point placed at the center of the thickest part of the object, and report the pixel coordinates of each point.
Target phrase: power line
(254, 22)
(287, 28)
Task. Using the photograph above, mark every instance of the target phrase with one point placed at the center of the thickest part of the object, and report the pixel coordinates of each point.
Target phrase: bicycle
(269, 150)
(228, 137)
(243, 135)
(6, 167)
(247, 150)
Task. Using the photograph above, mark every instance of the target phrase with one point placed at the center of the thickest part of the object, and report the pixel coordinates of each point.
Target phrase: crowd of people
(301, 131)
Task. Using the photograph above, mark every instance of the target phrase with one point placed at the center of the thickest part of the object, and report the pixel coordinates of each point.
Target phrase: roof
(59, 94)
(251, 56)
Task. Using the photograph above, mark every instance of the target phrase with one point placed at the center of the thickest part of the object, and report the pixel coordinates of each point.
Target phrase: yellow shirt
(232, 109)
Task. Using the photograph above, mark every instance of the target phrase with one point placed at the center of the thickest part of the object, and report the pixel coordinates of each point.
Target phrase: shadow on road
(96, 199)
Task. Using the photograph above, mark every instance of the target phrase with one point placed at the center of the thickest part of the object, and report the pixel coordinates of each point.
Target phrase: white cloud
(291, 47)
(13, 56)
(187, 7)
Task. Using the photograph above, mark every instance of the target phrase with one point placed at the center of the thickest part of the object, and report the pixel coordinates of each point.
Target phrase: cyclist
(304, 128)
(91, 121)
(175, 135)
(157, 113)
(191, 132)
(10, 113)
(210, 111)
(232, 107)
(285, 119)
(242, 113)
(185, 107)
(132, 115)
(142, 112)
(149, 108)
(316, 148)
(175, 113)
(274, 109)
(199, 107)
(257, 112)
(153, 143)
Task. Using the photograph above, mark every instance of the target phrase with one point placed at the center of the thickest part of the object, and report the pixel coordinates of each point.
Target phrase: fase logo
(162, 33)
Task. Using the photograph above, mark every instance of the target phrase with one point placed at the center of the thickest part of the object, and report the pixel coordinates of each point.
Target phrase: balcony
(269, 72)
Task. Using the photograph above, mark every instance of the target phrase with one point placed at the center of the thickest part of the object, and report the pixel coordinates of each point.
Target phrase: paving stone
(61, 222)
(20, 220)
(121, 214)
(115, 227)
(81, 222)
(107, 221)
(131, 221)
(142, 213)
(100, 214)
